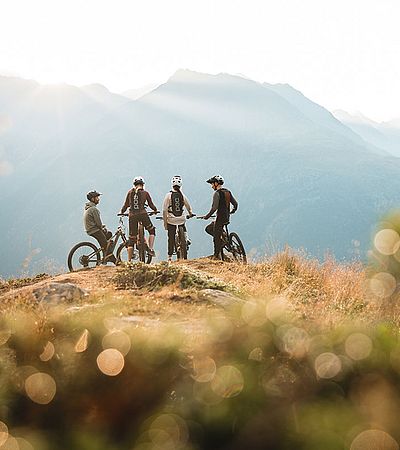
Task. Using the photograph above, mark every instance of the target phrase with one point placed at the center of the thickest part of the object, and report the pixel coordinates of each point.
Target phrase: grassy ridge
(289, 368)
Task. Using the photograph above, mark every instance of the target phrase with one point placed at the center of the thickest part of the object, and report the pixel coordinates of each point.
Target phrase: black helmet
(92, 194)
(216, 179)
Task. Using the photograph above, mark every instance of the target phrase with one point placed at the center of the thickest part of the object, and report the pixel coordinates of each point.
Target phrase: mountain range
(302, 177)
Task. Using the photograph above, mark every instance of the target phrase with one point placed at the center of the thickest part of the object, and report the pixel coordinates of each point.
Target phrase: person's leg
(152, 231)
(210, 229)
(133, 231)
(102, 240)
(218, 227)
(171, 239)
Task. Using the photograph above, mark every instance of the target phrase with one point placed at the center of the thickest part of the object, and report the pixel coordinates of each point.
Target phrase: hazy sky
(340, 53)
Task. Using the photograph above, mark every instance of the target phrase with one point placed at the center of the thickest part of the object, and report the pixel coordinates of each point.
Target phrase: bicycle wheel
(181, 244)
(122, 253)
(237, 248)
(83, 255)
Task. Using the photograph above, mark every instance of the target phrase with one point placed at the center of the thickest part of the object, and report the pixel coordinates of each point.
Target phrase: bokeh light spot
(358, 346)
(111, 362)
(23, 444)
(204, 369)
(296, 342)
(382, 284)
(374, 440)
(387, 241)
(48, 352)
(253, 313)
(256, 354)
(118, 340)
(168, 431)
(4, 336)
(327, 365)
(83, 342)
(10, 444)
(276, 310)
(228, 382)
(40, 388)
(3, 433)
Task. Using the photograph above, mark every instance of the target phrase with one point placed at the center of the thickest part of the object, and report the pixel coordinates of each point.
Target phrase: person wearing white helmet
(174, 203)
(136, 200)
(222, 199)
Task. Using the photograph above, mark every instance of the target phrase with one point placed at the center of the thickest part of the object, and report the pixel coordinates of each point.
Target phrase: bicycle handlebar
(150, 213)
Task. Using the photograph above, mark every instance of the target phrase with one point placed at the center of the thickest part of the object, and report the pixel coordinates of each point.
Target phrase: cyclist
(95, 228)
(174, 203)
(222, 200)
(136, 200)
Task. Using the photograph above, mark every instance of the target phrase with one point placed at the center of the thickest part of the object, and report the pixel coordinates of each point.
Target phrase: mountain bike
(85, 255)
(181, 241)
(142, 248)
(232, 246)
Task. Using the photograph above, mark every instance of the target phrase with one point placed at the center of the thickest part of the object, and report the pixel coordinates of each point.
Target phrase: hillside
(301, 177)
(201, 354)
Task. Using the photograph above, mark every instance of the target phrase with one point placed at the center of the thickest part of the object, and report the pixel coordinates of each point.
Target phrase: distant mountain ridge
(301, 177)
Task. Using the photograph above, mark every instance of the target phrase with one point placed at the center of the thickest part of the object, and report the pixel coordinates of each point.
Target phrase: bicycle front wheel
(237, 248)
(181, 247)
(83, 256)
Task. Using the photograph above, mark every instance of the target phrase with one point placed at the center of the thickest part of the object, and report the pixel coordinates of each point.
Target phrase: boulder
(219, 298)
(56, 293)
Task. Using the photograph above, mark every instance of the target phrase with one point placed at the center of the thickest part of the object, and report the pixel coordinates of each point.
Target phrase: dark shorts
(134, 224)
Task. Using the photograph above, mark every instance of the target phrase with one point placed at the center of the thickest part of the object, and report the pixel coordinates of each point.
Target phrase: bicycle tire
(72, 265)
(121, 257)
(182, 244)
(237, 248)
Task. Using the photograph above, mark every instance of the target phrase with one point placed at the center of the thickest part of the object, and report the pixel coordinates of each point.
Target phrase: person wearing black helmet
(222, 200)
(136, 200)
(94, 226)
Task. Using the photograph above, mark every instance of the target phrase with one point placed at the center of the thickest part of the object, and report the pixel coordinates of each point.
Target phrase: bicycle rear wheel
(181, 244)
(122, 253)
(83, 256)
(237, 248)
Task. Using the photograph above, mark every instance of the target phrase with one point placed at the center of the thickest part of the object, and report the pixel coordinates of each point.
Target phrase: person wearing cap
(95, 228)
(174, 203)
(222, 199)
(136, 200)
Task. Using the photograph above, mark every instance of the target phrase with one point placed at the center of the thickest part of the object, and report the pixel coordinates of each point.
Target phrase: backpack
(177, 203)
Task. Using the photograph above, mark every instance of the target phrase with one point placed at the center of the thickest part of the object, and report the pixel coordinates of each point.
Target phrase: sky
(343, 54)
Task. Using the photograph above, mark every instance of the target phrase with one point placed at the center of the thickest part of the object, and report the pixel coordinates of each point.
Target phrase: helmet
(138, 180)
(176, 181)
(92, 194)
(216, 179)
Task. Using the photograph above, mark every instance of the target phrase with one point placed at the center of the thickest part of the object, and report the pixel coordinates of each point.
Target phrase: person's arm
(125, 206)
(187, 205)
(214, 205)
(165, 209)
(150, 202)
(234, 203)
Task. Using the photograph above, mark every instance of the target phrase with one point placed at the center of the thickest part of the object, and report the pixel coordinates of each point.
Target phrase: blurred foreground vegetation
(267, 373)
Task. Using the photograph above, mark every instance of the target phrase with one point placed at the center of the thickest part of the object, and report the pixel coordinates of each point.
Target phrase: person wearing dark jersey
(136, 200)
(174, 203)
(222, 199)
(94, 226)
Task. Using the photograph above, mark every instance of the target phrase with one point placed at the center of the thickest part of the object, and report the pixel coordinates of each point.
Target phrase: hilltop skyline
(342, 55)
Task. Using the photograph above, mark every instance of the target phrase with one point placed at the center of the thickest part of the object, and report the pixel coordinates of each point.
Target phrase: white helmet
(216, 179)
(176, 181)
(138, 180)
